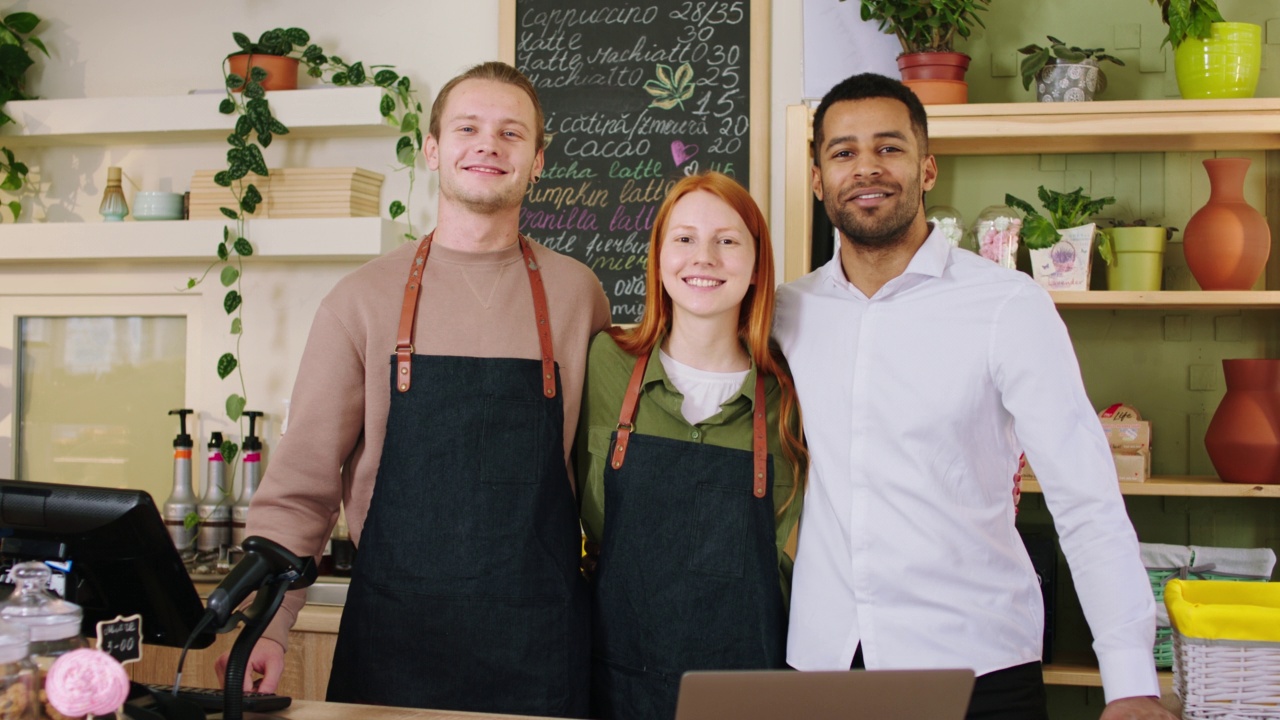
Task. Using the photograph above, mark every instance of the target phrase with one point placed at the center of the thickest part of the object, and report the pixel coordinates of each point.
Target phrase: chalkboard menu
(636, 96)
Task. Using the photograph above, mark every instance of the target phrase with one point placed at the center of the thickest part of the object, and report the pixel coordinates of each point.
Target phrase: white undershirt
(704, 391)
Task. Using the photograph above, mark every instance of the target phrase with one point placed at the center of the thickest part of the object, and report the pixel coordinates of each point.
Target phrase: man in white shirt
(923, 372)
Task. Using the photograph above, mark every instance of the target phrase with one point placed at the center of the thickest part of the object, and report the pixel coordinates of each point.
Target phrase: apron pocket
(512, 429)
(720, 531)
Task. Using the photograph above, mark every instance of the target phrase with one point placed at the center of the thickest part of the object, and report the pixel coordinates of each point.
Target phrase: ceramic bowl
(149, 205)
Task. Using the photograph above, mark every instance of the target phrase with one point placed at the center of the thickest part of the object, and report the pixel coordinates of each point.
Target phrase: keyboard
(211, 699)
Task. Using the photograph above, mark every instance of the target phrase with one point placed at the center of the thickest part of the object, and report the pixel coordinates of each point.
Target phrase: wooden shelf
(1081, 675)
(309, 239)
(1101, 126)
(319, 112)
(1166, 300)
(1188, 486)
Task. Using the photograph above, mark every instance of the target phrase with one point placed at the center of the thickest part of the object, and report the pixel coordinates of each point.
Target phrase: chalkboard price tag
(121, 638)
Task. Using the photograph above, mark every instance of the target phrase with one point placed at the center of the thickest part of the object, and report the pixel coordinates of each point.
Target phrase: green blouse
(609, 371)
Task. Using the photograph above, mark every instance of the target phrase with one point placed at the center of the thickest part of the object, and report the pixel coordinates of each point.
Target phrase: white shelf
(319, 112)
(296, 240)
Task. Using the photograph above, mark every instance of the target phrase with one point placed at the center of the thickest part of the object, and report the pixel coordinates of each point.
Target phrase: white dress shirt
(917, 403)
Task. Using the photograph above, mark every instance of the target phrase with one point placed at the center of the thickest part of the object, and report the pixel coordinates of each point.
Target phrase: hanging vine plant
(15, 59)
(255, 128)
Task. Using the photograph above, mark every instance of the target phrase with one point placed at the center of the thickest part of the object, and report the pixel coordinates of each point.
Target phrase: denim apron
(466, 593)
(687, 577)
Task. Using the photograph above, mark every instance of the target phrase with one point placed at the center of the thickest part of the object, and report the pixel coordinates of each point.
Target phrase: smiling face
(871, 173)
(486, 151)
(707, 258)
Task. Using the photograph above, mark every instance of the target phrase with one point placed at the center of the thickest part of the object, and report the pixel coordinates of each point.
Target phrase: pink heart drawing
(682, 153)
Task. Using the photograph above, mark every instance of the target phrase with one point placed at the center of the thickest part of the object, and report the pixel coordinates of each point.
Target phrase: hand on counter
(266, 665)
(1135, 708)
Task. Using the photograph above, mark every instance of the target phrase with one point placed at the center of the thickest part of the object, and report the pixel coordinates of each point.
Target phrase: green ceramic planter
(1139, 258)
(1225, 65)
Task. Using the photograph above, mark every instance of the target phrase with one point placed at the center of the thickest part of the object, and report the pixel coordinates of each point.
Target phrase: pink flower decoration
(85, 682)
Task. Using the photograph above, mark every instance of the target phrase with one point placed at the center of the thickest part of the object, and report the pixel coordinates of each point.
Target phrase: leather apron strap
(759, 436)
(409, 313)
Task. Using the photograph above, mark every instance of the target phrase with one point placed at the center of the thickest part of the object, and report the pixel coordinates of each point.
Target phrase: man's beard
(881, 231)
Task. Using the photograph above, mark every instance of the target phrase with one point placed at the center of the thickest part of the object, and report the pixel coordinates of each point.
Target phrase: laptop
(836, 695)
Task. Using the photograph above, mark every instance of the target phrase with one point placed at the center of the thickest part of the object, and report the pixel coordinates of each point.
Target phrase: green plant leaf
(387, 105)
(396, 209)
(229, 276)
(11, 182)
(15, 207)
(39, 44)
(235, 407)
(243, 248)
(242, 41)
(235, 140)
(231, 301)
(409, 122)
(235, 326)
(191, 521)
(339, 79)
(22, 22)
(243, 126)
(257, 74)
(385, 78)
(234, 82)
(226, 365)
(232, 214)
(257, 163)
(223, 254)
(227, 106)
(229, 449)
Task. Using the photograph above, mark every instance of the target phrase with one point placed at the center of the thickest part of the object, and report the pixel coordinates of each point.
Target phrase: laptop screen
(836, 695)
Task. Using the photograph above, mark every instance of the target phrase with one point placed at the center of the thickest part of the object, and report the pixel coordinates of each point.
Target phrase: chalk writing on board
(635, 98)
(121, 638)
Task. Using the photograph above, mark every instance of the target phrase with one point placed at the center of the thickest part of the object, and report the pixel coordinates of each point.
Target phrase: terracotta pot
(282, 72)
(1243, 439)
(1226, 242)
(939, 92)
(933, 66)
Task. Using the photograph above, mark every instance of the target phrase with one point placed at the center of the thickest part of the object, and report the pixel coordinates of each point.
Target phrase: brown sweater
(472, 304)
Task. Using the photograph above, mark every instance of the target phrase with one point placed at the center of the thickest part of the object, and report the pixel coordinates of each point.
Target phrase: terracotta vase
(1226, 242)
(1243, 439)
(282, 72)
(937, 78)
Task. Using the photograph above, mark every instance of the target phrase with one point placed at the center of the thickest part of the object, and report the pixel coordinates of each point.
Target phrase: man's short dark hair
(865, 87)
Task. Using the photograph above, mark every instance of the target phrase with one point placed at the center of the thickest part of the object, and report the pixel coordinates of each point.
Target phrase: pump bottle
(214, 510)
(182, 501)
(251, 473)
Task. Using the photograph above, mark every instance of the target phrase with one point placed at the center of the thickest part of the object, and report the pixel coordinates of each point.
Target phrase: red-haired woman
(690, 461)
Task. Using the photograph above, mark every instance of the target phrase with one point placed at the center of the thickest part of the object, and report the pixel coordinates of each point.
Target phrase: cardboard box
(1130, 440)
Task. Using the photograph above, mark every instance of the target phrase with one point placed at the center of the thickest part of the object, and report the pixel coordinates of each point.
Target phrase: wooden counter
(314, 710)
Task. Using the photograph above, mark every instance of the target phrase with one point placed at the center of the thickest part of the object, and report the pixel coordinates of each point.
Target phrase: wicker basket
(1226, 648)
(1163, 649)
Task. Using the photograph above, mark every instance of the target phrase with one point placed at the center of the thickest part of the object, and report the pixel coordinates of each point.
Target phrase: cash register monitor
(122, 560)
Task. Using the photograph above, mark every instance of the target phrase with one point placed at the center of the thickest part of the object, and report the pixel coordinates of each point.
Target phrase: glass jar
(17, 674)
(53, 623)
(948, 221)
(996, 234)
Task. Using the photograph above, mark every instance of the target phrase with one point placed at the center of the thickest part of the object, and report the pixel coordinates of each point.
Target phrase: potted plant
(1060, 245)
(1064, 73)
(928, 30)
(15, 36)
(1212, 58)
(278, 52)
(1134, 254)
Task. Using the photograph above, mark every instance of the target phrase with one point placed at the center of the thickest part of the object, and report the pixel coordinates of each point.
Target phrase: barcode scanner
(263, 560)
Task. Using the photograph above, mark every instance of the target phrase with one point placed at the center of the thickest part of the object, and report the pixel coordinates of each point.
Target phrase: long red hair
(755, 318)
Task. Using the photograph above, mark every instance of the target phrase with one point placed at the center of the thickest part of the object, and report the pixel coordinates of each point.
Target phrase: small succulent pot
(1069, 82)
